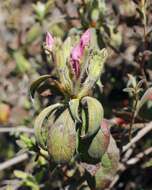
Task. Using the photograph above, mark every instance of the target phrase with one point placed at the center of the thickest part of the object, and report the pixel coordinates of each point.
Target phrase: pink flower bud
(49, 41)
(78, 50)
(76, 55)
(85, 38)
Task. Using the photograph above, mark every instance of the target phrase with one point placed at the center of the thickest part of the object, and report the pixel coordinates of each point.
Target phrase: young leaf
(94, 71)
(36, 84)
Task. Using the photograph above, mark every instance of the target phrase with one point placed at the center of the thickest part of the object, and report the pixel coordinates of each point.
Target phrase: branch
(16, 129)
(139, 135)
(13, 161)
(139, 156)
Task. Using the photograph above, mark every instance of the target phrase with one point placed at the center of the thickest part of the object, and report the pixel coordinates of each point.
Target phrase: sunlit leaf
(20, 174)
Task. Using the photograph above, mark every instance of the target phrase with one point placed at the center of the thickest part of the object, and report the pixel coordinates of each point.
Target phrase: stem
(142, 63)
(133, 118)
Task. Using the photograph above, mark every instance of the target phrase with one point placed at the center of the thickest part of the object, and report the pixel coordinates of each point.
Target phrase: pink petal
(76, 55)
(85, 38)
(78, 50)
(49, 41)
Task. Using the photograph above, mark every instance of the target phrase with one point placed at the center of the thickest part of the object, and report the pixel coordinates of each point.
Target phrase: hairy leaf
(74, 109)
(94, 71)
(147, 96)
(62, 138)
(94, 115)
(40, 129)
(100, 142)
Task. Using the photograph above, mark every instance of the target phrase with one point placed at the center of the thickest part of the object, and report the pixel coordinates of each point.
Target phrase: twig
(139, 156)
(16, 129)
(133, 118)
(130, 162)
(139, 135)
(13, 161)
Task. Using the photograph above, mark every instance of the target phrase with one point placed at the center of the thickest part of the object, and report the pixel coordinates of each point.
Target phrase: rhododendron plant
(75, 127)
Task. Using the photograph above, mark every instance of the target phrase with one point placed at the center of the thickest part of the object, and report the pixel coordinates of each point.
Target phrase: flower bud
(78, 51)
(49, 41)
(85, 38)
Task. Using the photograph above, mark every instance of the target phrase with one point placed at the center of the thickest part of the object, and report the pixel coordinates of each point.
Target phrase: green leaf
(39, 9)
(63, 70)
(147, 96)
(67, 49)
(104, 172)
(100, 142)
(36, 84)
(41, 130)
(147, 164)
(34, 32)
(94, 71)
(22, 64)
(62, 138)
(83, 123)
(132, 81)
(74, 109)
(97, 63)
(20, 174)
(113, 155)
(106, 162)
(94, 115)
